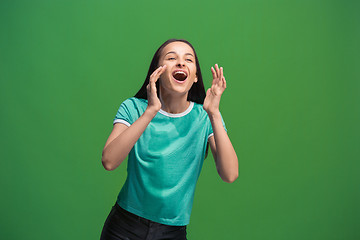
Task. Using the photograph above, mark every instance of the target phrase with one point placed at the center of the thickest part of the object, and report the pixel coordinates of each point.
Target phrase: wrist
(214, 114)
(151, 112)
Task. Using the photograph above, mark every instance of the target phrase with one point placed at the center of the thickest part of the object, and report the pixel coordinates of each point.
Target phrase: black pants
(123, 225)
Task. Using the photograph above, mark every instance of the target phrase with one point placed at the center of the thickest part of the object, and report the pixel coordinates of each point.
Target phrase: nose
(180, 63)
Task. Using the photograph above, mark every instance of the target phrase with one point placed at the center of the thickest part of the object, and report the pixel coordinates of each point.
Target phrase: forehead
(177, 47)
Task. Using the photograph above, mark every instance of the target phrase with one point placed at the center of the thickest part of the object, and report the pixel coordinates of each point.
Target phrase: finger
(224, 82)
(156, 77)
(217, 70)
(208, 91)
(155, 73)
(156, 70)
(150, 89)
(213, 73)
(153, 87)
(162, 70)
(218, 79)
(149, 86)
(221, 76)
(158, 73)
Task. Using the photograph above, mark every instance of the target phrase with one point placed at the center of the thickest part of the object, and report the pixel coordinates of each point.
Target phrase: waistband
(134, 216)
(141, 219)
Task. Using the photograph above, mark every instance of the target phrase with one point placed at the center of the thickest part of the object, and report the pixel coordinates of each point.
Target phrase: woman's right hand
(154, 104)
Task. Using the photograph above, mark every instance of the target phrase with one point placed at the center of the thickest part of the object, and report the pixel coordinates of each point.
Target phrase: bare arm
(223, 152)
(221, 147)
(123, 138)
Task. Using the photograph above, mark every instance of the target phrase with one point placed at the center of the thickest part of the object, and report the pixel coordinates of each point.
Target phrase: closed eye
(189, 60)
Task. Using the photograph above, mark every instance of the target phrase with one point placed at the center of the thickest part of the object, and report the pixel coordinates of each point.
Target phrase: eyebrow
(175, 53)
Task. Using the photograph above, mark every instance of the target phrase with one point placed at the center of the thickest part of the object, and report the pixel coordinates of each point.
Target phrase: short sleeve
(124, 113)
(211, 131)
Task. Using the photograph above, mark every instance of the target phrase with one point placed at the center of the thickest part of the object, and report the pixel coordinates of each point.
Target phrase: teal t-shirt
(165, 162)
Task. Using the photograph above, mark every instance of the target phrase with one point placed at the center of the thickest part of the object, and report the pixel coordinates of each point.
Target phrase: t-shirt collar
(176, 115)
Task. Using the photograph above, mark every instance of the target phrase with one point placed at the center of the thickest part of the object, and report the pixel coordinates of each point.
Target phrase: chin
(176, 90)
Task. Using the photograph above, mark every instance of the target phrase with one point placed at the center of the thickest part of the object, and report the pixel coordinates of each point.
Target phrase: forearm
(115, 153)
(226, 159)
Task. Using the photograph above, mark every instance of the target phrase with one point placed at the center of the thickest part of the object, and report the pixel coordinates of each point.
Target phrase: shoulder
(203, 116)
(198, 108)
(200, 113)
(130, 110)
(134, 103)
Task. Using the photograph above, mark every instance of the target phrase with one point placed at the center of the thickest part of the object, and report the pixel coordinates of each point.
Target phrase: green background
(291, 108)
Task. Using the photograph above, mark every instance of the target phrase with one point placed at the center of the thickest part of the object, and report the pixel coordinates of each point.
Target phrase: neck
(174, 104)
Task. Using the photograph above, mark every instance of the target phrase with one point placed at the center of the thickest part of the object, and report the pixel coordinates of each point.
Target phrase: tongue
(180, 76)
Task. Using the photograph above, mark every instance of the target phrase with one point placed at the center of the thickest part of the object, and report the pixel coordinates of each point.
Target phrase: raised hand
(213, 94)
(154, 103)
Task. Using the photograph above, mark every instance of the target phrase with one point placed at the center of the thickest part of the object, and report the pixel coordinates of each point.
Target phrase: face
(180, 73)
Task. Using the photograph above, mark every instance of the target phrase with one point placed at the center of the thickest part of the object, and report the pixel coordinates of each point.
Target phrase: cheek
(161, 63)
(194, 72)
(165, 76)
(167, 72)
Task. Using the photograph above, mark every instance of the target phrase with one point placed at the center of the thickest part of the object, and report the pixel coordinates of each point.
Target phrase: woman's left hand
(213, 94)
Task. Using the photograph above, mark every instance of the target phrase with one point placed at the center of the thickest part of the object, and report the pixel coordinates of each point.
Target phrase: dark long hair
(197, 91)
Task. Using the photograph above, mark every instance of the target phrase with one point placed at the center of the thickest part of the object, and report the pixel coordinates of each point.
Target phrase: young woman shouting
(165, 131)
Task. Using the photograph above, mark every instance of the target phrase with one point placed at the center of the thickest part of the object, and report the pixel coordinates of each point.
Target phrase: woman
(165, 131)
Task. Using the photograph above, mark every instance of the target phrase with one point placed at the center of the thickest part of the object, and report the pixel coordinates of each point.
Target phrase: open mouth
(180, 76)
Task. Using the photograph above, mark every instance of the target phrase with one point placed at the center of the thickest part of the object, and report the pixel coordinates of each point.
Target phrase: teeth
(180, 72)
